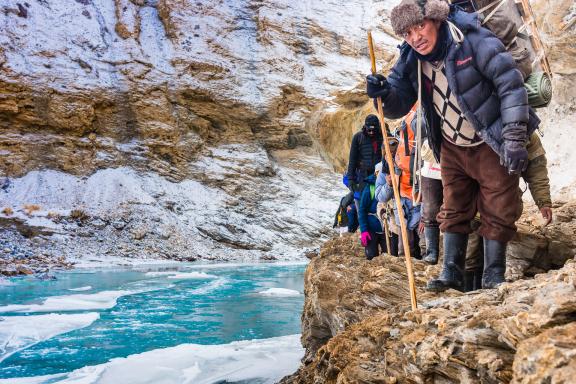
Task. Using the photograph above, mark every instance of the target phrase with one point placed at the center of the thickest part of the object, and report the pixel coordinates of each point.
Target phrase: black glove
(377, 86)
(514, 148)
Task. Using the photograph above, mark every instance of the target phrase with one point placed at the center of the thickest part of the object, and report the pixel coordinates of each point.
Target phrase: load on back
(514, 23)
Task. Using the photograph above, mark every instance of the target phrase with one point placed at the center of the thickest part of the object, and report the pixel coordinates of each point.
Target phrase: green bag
(539, 89)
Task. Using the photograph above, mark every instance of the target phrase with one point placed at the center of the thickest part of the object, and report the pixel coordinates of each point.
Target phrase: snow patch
(20, 332)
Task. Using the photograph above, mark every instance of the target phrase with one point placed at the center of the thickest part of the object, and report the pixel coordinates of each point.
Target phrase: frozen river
(219, 323)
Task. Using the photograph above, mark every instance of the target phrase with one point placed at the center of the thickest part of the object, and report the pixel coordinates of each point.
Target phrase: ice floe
(192, 275)
(176, 275)
(78, 302)
(284, 292)
(81, 289)
(211, 286)
(20, 332)
(264, 361)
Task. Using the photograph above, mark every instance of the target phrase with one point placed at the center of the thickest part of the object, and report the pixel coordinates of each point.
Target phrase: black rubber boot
(494, 264)
(452, 275)
(473, 280)
(432, 235)
(413, 243)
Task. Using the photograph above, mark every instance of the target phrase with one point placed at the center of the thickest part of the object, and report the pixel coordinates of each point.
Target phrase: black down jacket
(483, 76)
(363, 158)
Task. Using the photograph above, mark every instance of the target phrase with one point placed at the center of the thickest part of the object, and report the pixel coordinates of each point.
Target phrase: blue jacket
(384, 192)
(368, 205)
(483, 76)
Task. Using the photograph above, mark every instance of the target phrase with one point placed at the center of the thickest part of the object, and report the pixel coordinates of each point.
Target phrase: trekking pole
(396, 191)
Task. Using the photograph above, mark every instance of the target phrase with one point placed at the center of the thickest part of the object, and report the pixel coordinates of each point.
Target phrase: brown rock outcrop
(358, 326)
(148, 84)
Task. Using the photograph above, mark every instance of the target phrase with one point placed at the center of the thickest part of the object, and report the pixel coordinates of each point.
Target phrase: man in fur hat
(477, 113)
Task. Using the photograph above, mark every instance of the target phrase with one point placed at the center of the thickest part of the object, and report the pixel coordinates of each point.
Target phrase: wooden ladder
(532, 30)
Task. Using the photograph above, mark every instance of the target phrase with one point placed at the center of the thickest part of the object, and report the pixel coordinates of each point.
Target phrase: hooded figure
(478, 119)
(365, 153)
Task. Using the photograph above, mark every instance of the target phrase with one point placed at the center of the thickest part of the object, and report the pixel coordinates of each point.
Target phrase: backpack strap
(406, 141)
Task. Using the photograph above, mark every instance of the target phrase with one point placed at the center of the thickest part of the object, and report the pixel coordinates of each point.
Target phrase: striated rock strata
(358, 326)
(159, 128)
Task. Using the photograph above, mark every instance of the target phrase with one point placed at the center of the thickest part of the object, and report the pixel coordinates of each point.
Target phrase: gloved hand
(365, 238)
(515, 153)
(377, 86)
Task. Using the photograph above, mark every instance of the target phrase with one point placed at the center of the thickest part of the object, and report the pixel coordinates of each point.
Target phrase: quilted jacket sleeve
(497, 65)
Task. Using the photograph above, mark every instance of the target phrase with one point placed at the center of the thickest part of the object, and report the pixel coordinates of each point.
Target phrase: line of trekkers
(478, 135)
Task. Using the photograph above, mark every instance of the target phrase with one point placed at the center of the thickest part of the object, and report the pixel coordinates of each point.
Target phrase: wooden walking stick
(405, 241)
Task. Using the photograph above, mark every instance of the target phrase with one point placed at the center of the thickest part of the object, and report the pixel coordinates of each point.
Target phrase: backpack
(514, 24)
(341, 218)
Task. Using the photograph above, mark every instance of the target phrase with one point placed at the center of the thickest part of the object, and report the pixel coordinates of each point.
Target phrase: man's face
(371, 130)
(422, 37)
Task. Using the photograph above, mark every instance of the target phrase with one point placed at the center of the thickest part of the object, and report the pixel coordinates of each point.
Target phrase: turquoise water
(143, 310)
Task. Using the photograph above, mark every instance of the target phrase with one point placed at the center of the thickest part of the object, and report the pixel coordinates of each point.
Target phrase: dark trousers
(474, 181)
(432, 196)
(377, 245)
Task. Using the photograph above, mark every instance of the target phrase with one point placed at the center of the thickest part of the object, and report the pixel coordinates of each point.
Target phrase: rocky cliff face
(205, 92)
(160, 128)
(91, 84)
(358, 326)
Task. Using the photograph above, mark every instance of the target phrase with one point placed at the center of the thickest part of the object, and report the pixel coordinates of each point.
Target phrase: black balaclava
(369, 122)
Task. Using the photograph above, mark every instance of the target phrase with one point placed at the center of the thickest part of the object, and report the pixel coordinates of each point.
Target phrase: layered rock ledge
(358, 326)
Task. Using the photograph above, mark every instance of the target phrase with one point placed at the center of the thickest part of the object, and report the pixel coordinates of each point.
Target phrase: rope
(417, 175)
(457, 34)
(493, 11)
(484, 9)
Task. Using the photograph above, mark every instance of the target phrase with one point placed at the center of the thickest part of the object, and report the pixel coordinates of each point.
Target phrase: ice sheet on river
(265, 360)
(78, 302)
(20, 332)
(176, 275)
(284, 292)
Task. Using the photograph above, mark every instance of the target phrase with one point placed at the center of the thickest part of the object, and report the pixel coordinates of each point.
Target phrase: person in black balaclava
(365, 153)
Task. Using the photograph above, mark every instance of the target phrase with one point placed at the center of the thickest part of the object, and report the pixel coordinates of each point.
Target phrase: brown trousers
(474, 181)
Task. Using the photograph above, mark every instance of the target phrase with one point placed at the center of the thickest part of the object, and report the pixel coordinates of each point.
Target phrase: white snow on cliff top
(74, 44)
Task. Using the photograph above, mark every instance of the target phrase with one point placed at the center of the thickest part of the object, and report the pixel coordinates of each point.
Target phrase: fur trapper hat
(411, 12)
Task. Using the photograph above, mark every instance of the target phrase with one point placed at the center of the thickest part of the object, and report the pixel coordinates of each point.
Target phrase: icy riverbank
(186, 323)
